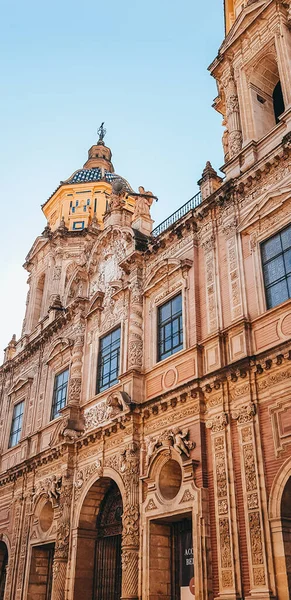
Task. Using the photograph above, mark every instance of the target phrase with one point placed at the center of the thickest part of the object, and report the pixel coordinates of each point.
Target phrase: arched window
(278, 101)
(266, 94)
(38, 301)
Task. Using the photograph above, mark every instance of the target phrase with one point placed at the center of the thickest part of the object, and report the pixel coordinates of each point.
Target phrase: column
(135, 343)
(62, 542)
(130, 533)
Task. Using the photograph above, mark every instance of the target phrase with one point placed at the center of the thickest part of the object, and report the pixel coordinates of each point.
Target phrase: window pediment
(20, 384)
(166, 269)
(269, 202)
(58, 347)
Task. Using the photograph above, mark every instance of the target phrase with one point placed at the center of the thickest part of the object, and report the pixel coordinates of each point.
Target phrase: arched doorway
(3, 568)
(286, 529)
(98, 558)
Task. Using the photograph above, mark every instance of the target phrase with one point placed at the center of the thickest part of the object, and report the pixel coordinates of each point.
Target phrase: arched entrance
(3, 568)
(286, 529)
(98, 559)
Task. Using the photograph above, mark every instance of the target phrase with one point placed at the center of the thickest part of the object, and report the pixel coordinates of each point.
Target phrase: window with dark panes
(108, 360)
(170, 328)
(276, 260)
(60, 393)
(16, 425)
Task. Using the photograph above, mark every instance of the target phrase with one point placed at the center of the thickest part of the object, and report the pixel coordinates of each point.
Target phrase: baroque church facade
(145, 439)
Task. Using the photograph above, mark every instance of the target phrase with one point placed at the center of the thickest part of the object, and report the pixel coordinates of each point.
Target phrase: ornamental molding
(217, 423)
(116, 404)
(244, 414)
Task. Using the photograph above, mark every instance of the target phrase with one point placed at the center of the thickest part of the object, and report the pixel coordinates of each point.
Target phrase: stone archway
(3, 567)
(99, 539)
(286, 529)
(280, 522)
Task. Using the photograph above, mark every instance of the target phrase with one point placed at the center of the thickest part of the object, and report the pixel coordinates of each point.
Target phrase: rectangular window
(60, 393)
(16, 425)
(276, 260)
(170, 328)
(108, 360)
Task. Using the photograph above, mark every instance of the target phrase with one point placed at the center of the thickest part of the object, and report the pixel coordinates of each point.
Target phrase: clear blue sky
(66, 66)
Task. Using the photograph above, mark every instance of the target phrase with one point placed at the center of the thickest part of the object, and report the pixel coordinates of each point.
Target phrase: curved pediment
(59, 346)
(266, 204)
(20, 383)
(166, 268)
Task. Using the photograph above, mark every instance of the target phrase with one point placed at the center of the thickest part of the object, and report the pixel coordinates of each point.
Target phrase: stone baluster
(130, 534)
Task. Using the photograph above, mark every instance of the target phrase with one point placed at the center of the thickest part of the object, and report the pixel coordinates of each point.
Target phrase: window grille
(170, 327)
(108, 360)
(276, 260)
(60, 393)
(16, 425)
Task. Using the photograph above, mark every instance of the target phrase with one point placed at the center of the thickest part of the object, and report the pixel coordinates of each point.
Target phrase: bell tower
(253, 75)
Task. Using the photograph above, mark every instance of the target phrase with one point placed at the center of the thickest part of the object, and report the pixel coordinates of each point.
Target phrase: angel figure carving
(180, 443)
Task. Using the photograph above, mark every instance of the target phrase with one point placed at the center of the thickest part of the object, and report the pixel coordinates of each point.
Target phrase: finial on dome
(101, 132)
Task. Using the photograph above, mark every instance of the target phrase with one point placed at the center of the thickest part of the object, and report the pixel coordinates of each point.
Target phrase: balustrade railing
(181, 212)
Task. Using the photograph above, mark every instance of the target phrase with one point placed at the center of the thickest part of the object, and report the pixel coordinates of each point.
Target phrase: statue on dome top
(101, 132)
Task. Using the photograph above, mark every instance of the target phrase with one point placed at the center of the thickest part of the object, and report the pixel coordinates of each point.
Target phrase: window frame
(99, 389)
(267, 286)
(54, 404)
(13, 419)
(159, 357)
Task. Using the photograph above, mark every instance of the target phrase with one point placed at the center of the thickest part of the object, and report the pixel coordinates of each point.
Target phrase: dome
(96, 174)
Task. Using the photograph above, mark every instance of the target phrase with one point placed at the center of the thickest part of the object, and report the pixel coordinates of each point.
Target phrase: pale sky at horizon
(141, 68)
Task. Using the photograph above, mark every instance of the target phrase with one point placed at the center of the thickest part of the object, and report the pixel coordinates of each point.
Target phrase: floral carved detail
(150, 505)
(135, 352)
(130, 521)
(250, 467)
(75, 390)
(187, 496)
(259, 576)
(256, 538)
(63, 527)
(217, 423)
(245, 413)
(84, 474)
(227, 579)
(253, 501)
(223, 506)
(221, 478)
(129, 466)
(224, 533)
(116, 403)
